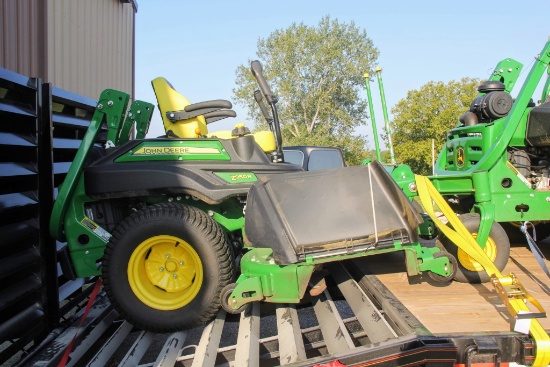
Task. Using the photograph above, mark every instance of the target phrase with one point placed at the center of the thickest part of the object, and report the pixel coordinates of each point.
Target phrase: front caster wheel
(452, 263)
(225, 299)
(497, 249)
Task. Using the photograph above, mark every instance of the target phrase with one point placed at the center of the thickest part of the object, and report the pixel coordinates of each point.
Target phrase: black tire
(454, 267)
(498, 248)
(196, 262)
(224, 298)
(516, 236)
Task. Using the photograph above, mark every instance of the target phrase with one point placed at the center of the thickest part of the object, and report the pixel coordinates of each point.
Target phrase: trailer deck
(473, 307)
(369, 315)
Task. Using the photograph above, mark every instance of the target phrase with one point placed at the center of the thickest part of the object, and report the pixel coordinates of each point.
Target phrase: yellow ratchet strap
(509, 288)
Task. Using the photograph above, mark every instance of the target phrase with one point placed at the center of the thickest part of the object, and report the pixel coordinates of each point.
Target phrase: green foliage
(317, 75)
(427, 114)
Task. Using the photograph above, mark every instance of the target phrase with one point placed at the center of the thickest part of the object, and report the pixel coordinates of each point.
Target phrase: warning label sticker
(96, 229)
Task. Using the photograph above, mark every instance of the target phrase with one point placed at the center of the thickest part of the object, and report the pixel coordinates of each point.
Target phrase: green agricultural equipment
(493, 169)
(161, 220)
(496, 162)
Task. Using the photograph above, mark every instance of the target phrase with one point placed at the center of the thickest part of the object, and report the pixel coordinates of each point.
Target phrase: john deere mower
(494, 166)
(161, 220)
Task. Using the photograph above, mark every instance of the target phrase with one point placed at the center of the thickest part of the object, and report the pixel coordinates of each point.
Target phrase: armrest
(197, 109)
(218, 115)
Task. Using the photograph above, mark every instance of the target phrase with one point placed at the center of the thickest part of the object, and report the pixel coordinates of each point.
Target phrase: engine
(533, 163)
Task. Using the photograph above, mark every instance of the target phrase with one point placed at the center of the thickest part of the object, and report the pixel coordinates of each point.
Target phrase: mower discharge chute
(297, 222)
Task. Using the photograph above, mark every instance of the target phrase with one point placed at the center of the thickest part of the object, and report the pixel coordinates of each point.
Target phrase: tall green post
(385, 110)
(371, 108)
(546, 89)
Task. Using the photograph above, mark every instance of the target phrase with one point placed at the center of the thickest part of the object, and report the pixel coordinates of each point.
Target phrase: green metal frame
(85, 239)
(486, 162)
(262, 279)
(111, 107)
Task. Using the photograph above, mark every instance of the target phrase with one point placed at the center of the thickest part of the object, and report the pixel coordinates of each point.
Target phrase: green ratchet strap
(514, 296)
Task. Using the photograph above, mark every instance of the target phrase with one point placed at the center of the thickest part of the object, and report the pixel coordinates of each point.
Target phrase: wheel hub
(165, 272)
(168, 268)
(171, 266)
(469, 263)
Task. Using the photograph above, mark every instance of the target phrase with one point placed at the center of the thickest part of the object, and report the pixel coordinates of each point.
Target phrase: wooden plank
(248, 339)
(97, 332)
(368, 315)
(335, 334)
(137, 350)
(112, 344)
(171, 350)
(460, 307)
(291, 344)
(205, 354)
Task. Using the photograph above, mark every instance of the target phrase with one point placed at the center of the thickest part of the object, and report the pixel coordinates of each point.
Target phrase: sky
(198, 45)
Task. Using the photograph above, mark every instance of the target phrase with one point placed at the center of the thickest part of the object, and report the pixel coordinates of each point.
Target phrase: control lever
(259, 99)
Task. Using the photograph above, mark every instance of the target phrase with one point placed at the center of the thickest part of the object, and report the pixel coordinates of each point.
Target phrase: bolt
(170, 200)
(130, 114)
(161, 269)
(100, 106)
(181, 262)
(233, 301)
(110, 103)
(210, 213)
(548, 199)
(175, 276)
(178, 198)
(167, 256)
(172, 115)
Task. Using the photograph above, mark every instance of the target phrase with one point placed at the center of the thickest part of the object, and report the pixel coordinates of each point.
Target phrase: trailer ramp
(347, 322)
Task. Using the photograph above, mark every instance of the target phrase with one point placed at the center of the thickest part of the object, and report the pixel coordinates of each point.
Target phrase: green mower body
(167, 221)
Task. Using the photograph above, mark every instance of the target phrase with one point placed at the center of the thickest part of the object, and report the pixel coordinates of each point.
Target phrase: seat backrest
(168, 100)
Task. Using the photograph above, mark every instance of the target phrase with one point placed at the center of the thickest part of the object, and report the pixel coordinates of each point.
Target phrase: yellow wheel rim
(469, 263)
(165, 272)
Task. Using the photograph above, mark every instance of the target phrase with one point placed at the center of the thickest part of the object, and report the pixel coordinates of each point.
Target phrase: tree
(317, 75)
(426, 114)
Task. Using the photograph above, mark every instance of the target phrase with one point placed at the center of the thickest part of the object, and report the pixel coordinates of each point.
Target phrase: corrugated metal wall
(22, 30)
(83, 46)
(90, 45)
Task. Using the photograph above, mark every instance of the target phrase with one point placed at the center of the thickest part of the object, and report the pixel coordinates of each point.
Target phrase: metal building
(83, 46)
